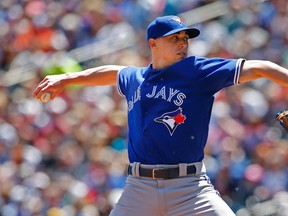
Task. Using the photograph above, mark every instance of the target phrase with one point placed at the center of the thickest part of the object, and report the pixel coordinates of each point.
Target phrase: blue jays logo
(172, 119)
(177, 19)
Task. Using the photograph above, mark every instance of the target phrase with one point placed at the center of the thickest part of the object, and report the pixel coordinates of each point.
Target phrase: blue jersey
(169, 110)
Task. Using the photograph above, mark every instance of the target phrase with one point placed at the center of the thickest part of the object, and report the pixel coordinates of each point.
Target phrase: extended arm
(255, 69)
(54, 84)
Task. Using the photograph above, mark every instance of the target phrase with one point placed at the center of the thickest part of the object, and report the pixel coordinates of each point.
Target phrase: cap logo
(168, 25)
(177, 19)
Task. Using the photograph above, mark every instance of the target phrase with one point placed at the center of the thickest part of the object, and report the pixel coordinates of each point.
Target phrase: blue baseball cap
(167, 25)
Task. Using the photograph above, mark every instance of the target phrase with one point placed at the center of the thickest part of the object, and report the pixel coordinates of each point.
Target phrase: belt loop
(203, 168)
(135, 169)
(182, 169)
(200, 168)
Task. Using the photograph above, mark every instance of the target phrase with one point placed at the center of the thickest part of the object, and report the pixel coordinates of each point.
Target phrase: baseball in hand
(45, 97)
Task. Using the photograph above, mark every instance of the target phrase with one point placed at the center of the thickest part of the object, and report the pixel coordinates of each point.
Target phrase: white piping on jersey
(238, 70)
(118, 84)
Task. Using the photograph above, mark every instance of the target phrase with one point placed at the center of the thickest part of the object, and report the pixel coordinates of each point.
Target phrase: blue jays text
(165, 93)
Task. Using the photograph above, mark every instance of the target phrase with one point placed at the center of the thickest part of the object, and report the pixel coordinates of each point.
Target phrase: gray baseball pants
(192, 195)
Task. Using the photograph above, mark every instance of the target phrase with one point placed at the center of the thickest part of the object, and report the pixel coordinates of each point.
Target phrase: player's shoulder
(131, 70)
(199, 59)
(128, 69)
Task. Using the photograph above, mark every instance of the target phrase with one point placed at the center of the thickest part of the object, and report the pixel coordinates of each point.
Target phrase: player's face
(173, 47)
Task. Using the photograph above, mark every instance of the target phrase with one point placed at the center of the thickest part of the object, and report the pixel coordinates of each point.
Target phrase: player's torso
(168, 115)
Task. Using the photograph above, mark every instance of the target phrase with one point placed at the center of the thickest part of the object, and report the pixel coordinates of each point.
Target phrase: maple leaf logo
(179, 119)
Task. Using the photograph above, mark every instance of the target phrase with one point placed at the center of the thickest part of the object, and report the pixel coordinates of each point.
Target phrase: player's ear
(152, 43)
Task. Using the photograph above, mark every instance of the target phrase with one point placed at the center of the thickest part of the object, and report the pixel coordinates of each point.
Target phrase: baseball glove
(282, 117)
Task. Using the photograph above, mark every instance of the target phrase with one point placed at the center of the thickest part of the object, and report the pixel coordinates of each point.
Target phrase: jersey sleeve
(123, 77)
(214, 74)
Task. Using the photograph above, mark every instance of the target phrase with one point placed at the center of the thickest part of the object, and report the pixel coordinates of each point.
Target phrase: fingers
(51, 84)
(39, 90)
(42, 88)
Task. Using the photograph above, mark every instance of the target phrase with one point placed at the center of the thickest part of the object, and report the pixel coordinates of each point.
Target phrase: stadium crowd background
(68, 156)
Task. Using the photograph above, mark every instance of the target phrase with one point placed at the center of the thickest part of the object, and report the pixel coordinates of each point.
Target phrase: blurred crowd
(68, 156)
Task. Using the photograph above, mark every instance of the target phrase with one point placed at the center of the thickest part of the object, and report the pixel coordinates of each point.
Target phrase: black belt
(161, 172)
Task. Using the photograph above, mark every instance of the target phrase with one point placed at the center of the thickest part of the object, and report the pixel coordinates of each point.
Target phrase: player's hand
(52, 84)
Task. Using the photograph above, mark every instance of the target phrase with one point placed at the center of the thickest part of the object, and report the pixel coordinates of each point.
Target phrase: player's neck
(160, 64)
